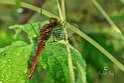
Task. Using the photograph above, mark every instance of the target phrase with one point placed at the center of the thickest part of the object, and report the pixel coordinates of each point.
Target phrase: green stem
(29, 6)
(100, 48)
(63, 9)
(70, 64)
(108, 18)
(122, 1)
(60, 12)
(82, 72)
(83, 35)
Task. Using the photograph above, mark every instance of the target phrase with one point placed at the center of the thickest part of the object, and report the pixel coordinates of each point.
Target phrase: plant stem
(29, 6)
(63, 9)
(76, 30)
(100, 48)
(60, 12)
(122, 1)
(70, 64)
(108, 18)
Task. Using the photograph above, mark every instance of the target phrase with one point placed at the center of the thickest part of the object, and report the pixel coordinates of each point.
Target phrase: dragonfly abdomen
(45, 33)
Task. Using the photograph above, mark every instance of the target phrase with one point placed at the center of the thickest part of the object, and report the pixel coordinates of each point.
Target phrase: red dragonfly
(45, 33)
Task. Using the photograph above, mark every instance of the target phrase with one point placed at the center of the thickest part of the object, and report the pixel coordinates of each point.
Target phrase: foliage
(101, 27)
(14, 62)
(53, 59)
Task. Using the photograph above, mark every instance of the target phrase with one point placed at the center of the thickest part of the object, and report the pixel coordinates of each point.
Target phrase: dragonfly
(45, 33)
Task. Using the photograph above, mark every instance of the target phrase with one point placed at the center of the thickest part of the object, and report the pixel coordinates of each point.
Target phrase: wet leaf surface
(14, 63)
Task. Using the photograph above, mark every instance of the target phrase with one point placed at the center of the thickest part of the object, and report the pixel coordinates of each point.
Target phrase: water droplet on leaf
(34, 36)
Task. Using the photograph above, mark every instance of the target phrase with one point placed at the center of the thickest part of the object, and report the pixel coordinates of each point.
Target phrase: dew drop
(19, 10)
(18, 76)
(17, 53)
(5, 62)
(7, 76)
(25, 71)
(34, 35)
(9, 60)
(44, 67)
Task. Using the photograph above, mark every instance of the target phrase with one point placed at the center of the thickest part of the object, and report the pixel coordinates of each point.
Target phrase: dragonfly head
(54, 21)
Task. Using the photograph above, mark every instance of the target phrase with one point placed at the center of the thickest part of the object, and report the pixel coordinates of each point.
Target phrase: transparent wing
(58, 32)
(69, 31)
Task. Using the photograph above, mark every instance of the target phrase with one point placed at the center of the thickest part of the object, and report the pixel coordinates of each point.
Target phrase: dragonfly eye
(54, 21)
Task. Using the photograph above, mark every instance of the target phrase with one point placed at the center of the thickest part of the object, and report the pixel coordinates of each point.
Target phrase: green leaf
(54, 60)
(14, 62)
(28, 28)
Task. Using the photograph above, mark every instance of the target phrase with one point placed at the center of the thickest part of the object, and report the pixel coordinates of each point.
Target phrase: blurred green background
(88, 18)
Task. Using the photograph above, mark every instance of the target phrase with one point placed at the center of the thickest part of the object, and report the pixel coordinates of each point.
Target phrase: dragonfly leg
(34, 30)
(56, 41)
